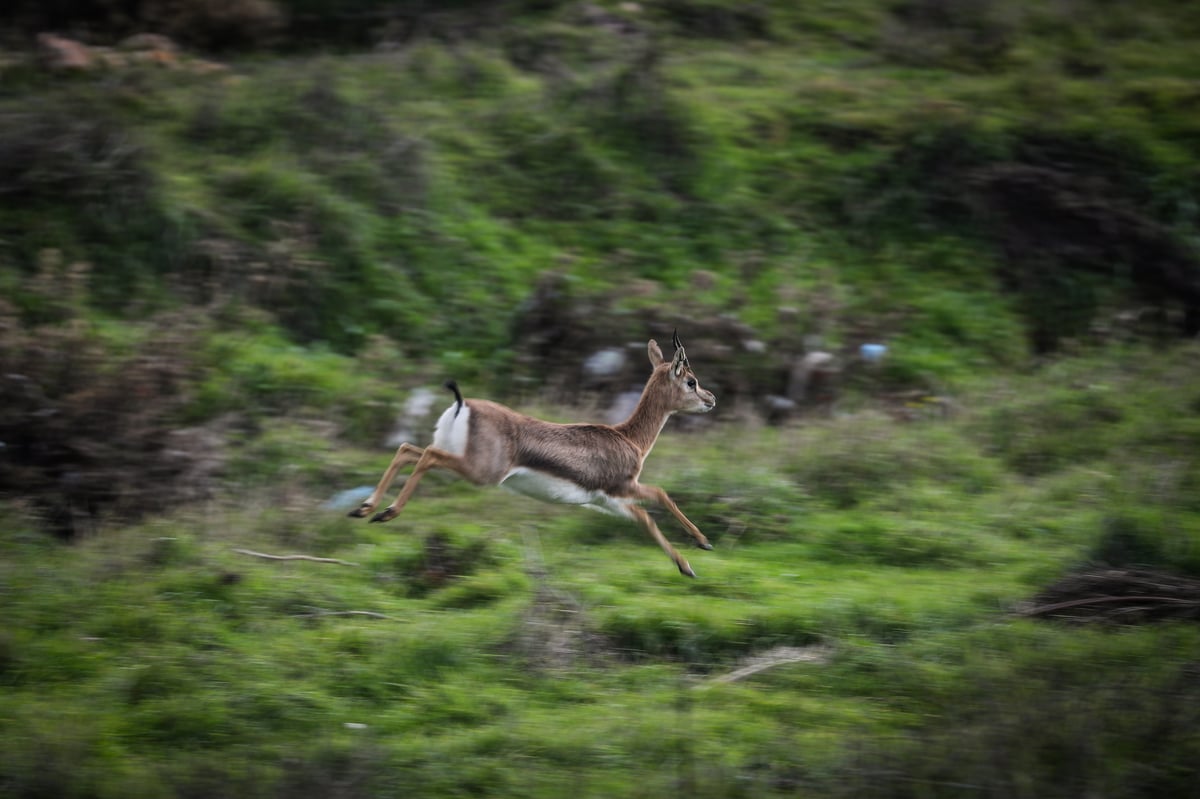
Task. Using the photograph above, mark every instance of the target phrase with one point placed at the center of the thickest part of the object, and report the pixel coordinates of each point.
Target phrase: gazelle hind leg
(406, 454)
(640, 515)
(430, 458)
(656, 494)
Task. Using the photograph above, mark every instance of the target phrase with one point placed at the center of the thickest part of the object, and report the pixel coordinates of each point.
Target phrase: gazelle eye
(691, 383)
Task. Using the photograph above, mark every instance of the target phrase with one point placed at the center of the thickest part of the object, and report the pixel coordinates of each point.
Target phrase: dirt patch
(1119, 596)
(555, 633)
(441, 562)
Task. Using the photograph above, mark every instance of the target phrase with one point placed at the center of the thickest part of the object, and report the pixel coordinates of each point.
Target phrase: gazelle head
(677, 381)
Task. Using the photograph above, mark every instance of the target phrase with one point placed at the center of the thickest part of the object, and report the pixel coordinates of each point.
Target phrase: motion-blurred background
(939, 261)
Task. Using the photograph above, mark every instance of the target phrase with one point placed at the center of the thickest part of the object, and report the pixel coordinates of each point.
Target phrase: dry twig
(312, 558)
(320, 613)
(772, 658)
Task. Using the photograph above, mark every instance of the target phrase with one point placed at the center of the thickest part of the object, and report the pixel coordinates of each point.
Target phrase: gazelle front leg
(656, 494)
(640, 515)
(406, 454)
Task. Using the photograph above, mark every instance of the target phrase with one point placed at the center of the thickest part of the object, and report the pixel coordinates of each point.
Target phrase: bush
(1048, 431)
(884, 542)
(87, 432)
(718, 19)
(73, 150)
(76, 178)
(972, 35)
(1153, 538)
(1062, 717)
(215, 24)
(440, 562)
(869, 459)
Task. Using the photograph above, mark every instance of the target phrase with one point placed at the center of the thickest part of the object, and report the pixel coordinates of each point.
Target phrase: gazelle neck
(648, 418)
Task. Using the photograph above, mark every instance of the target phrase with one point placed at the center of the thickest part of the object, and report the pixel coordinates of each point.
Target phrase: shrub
(868, 458)
(1063, 717)
(75, 177)
(718, 19)
(1149, 538)
(884, 542)
(215, 24)
(440, 562)
(73, 150)
(87, 432)
(973, 35)
(1048, 431)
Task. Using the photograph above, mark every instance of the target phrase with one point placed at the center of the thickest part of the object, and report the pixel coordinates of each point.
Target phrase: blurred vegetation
(218, 286)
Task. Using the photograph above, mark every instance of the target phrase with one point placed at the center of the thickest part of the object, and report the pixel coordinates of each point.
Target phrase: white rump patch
(450, 433)
(548, 488)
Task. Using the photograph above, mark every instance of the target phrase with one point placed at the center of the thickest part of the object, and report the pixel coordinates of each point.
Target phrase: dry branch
(1043, 610)
(320, 613)
(312, 558)
(772, 658)
(1124, 595)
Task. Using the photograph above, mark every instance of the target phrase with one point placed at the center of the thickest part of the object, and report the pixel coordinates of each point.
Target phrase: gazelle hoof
(686, 570)
(704, 545)
(360, 512)
(384, 515)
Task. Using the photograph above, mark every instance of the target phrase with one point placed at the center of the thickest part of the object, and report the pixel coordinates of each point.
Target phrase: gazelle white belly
(548, 488)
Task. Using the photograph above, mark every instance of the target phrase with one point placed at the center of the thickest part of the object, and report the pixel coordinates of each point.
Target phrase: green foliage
(1150, 537)
(1044, 433)
(1025, 713)
(848, 465)
(80, 180)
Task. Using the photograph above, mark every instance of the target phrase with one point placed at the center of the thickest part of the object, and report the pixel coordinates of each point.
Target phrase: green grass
(569, 655)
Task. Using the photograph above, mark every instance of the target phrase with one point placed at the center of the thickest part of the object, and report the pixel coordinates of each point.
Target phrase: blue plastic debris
(872, 353)
(350, 498)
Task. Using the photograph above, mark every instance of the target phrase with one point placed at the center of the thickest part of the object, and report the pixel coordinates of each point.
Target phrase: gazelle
(595, 465)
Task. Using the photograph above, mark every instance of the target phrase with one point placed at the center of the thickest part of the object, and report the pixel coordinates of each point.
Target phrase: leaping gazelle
(574, 464)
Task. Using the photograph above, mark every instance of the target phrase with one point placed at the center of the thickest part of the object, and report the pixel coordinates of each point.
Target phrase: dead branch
(312, 558)
(320, 613)
(772, 658)
(1101, 600)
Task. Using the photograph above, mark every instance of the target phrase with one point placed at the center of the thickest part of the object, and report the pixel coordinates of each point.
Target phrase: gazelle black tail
(450, 384)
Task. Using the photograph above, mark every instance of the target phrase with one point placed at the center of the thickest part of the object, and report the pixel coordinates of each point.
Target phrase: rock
(414, 423)
(604, 363)
(149, 41)
(61, 54)
(812, 378)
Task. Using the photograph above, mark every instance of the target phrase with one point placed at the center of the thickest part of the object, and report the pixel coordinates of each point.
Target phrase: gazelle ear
(656, 356)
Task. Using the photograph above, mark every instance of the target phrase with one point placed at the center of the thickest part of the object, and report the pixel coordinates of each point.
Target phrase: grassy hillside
(494, 645)
(881, 155)
(218, 288)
